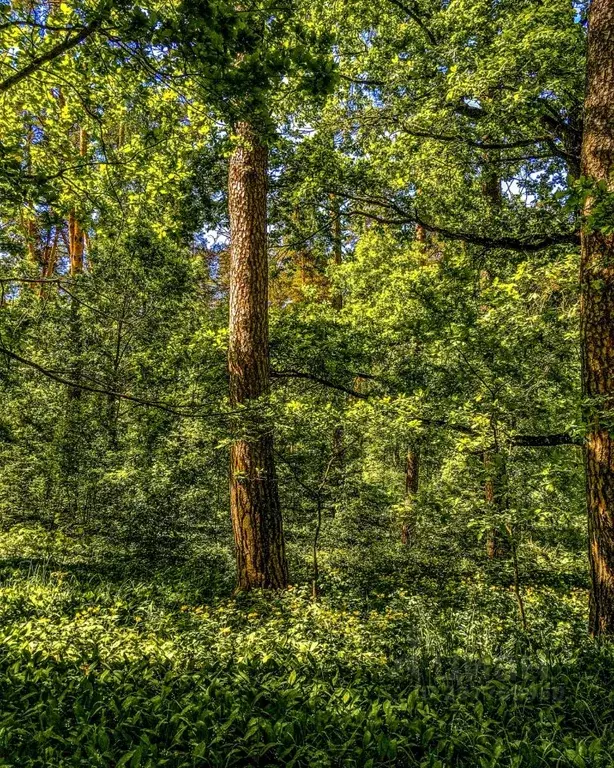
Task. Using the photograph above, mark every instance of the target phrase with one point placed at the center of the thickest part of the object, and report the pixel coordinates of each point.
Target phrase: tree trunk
(337, 297)
(412, 483)
(76, 234)
(597, 313)
(494, 495)
(73, 444)
(113, 402)
(494, 463)
(254, 500)
(337, 301)
(76, 251)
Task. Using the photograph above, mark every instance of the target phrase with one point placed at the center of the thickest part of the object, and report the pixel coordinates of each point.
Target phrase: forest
(307, 383)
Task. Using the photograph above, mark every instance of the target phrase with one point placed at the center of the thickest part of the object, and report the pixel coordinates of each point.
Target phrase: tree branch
(367, 81)
(545, 441)
(530, 244)
(527, 441)
(173, 408)
(31, 279)
(502, 145)
(52, 53)
(415, 18)
(292, 374)
(36, 25)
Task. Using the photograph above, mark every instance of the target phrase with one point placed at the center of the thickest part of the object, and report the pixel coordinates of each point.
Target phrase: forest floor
(110, 664)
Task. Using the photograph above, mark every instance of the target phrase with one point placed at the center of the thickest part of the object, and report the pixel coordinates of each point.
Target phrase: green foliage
(156, 668)
(417, 151)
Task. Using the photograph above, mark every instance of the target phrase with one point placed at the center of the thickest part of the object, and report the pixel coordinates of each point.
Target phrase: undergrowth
(167, 668)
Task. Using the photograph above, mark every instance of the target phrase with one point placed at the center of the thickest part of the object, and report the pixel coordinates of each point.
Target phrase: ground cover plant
(168, 668)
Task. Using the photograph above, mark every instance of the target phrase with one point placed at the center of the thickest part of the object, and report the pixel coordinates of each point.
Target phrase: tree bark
(76, 251)
(597, 315)
(412, 484)
(254, 500)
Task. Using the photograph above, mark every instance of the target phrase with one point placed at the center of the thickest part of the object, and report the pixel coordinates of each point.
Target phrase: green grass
(134, 666)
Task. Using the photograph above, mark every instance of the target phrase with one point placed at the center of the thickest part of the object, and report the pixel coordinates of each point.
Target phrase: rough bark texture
(597, 312)
(254, 500)
(412, 484)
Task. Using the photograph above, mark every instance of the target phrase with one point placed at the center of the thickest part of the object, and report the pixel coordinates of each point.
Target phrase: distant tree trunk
(494, 463)
(76, 244)
(420, 232)
(412, 485)
(76, 234)
(113, 402)
(50, 255)
(337, 301)
(337, 297)
(597, 313)
(73, 442)
(254, 500)
(76, 252)
(42, 250)
(494, 495)
(491, 185)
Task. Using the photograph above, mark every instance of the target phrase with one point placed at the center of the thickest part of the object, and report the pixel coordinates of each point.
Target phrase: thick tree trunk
(412, 484)
(254, 500)
(597, 312)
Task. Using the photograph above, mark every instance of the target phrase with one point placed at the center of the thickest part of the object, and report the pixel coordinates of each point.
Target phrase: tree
(254, 499)
(597, 311)
(412, 486)
(265, 55)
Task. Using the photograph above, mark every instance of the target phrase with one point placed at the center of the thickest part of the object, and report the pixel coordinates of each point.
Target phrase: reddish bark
(254, 500)
(597, 313)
